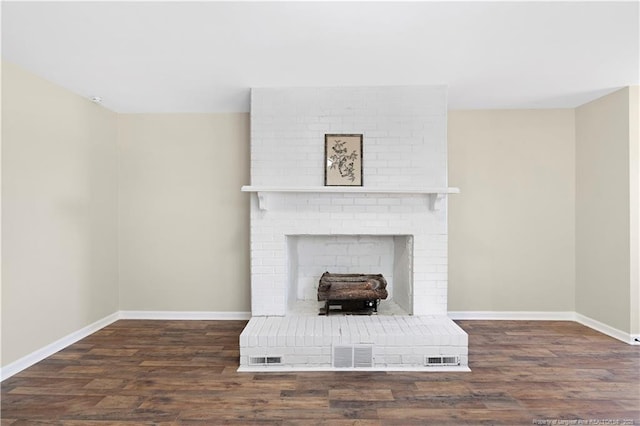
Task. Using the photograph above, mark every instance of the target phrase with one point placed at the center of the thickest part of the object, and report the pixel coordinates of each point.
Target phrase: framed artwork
(343, 160)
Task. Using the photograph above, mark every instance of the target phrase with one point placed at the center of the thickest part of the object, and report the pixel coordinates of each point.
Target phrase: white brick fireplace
(394, 224)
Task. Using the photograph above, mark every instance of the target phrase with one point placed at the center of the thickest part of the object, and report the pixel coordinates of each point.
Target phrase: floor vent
(440, 361)
(265, 360)
(353, 356)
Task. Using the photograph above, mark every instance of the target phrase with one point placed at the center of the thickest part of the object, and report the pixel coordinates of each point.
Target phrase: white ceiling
(204, 56)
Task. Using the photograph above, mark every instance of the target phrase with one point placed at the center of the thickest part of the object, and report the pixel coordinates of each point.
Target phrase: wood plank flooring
(184, 372)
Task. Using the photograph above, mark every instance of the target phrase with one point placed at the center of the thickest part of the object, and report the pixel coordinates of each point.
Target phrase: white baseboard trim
(546, 316)
(512, 315)
(186, 315)
(50, 349)
(605, 329)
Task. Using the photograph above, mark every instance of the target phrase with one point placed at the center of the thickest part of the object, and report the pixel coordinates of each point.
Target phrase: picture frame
(343, 160)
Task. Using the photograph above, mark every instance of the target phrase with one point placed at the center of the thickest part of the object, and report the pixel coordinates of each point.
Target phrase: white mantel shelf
(436, 194)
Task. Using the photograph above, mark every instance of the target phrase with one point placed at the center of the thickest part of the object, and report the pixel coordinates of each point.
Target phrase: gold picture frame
(342, 160)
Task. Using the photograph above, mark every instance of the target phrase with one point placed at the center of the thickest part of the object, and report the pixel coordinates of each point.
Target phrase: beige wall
(511, 230)
(603, 210)
(184, 224)
(59, 198)
(634, 204)
(182, 241)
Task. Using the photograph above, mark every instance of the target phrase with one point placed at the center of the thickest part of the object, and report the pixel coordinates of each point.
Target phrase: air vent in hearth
(265, 360)
(343, 356)
(353, 356)
(441, 361)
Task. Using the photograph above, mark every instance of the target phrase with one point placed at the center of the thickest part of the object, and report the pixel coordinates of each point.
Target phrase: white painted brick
(342, 201)
(297, 359)
(402, 146)
(412, 359)
(319, 360)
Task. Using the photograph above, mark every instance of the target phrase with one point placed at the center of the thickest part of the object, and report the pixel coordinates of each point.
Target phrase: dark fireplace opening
(355, 294)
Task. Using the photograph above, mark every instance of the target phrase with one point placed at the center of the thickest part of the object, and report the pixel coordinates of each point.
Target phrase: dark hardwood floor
(182, 372)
